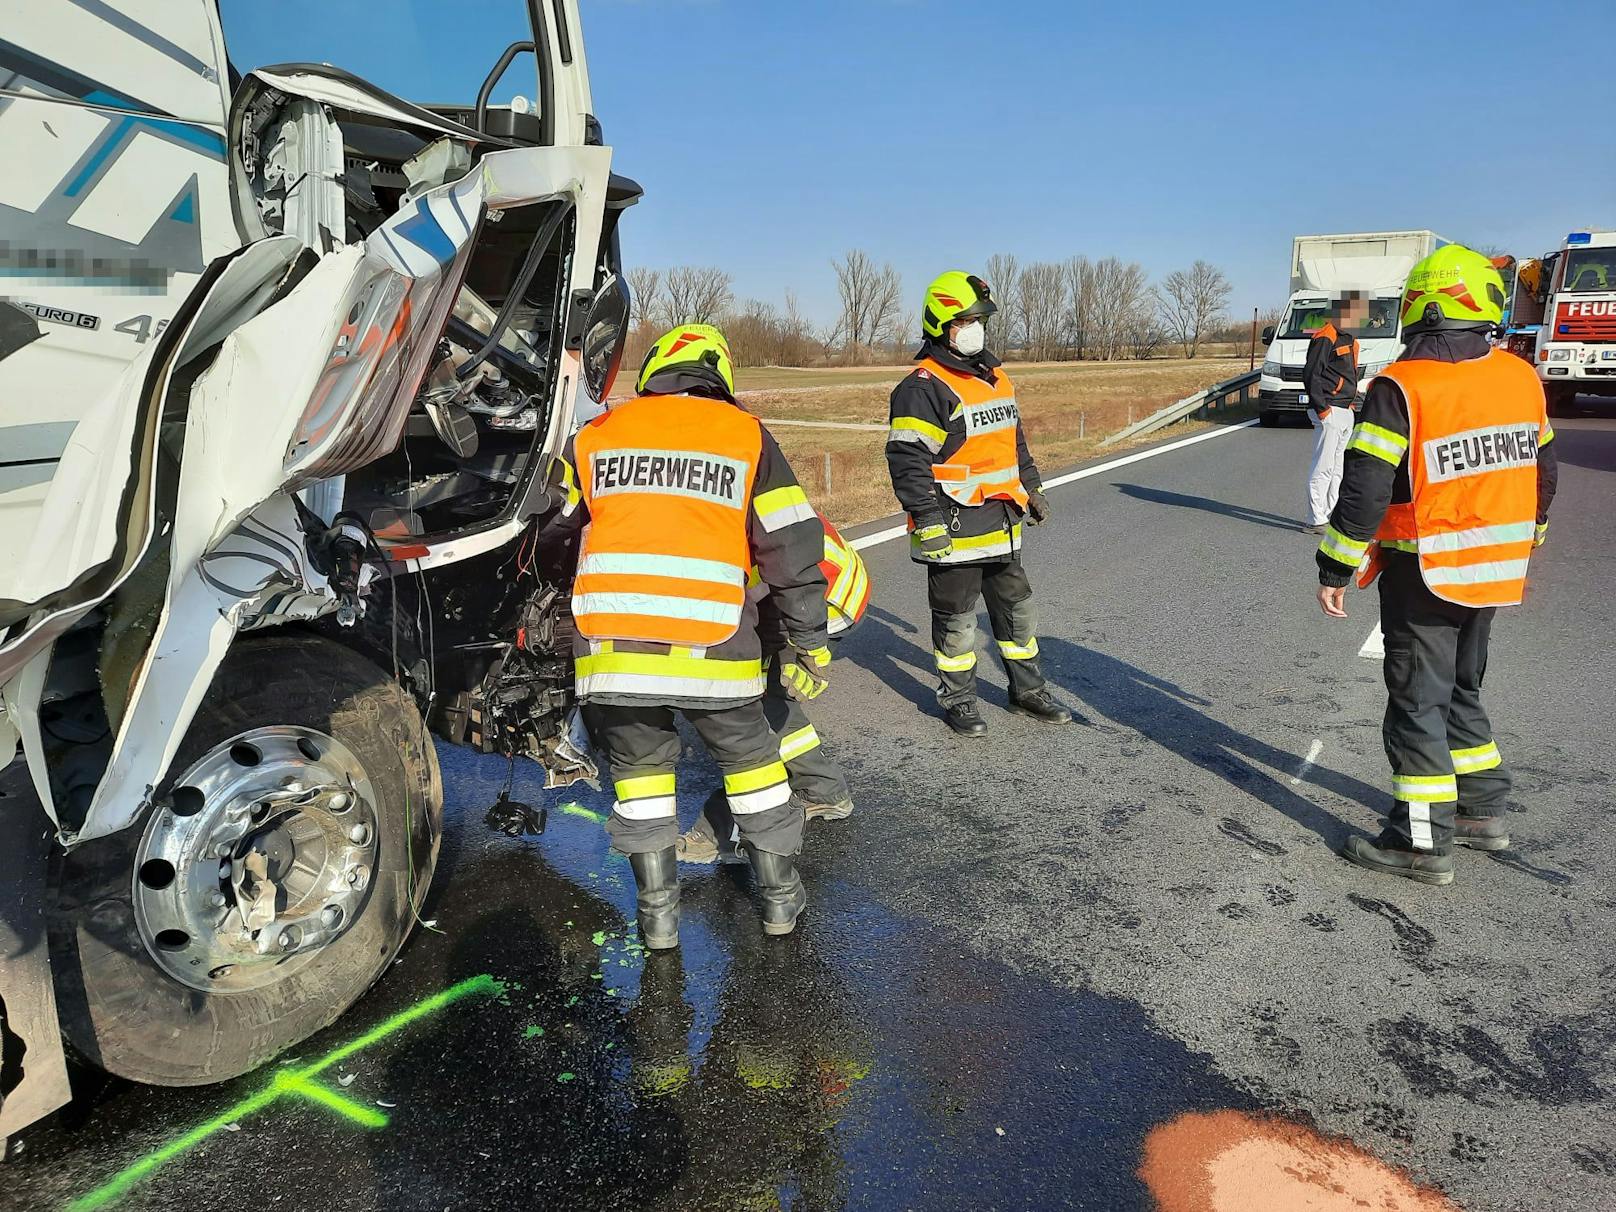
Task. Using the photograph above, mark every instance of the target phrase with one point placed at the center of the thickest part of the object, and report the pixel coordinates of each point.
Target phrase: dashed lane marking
(1313, 751)
(1374, 648)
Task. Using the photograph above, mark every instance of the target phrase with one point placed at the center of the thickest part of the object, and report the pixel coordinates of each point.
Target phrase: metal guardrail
(1219, 397)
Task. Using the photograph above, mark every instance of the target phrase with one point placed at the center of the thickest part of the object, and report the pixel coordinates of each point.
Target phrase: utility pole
(1251, 363)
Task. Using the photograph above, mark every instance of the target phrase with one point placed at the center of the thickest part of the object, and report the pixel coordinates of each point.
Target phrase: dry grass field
(1067, 408)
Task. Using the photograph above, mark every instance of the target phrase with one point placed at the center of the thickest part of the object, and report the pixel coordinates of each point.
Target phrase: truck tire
(184, 957)
(1559, 400)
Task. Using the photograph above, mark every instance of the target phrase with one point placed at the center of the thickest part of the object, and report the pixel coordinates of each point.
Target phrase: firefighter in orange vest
(1448, 480)
(816, 779)
(684, 492)
(961, 469)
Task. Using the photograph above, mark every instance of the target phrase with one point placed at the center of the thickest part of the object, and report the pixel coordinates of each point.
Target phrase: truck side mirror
(1268, 334)
(604, 332)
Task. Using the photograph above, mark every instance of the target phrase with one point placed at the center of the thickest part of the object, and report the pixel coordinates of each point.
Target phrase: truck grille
(1586, 321)
(1290, 374)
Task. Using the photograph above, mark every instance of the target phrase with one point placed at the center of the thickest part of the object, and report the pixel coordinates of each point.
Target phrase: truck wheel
(273, 881)
(1559, 400)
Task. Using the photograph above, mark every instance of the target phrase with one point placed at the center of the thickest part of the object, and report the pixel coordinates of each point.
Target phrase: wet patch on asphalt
(867, 1061)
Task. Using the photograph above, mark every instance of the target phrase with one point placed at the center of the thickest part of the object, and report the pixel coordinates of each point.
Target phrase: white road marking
(1374, 648)
(897, 532)
(1313, 751)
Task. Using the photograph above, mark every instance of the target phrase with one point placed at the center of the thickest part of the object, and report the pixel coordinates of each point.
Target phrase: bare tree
(871, 298)
(1079, 280)
(697, 294)
(1041, 305)
(753, 333)
(1003, 276)
(1193, 301)
(795, 337)
(1141, 331)
(645, 292)
(1118, 297)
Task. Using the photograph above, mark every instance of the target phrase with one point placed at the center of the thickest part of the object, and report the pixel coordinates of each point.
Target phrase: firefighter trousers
(814, 776)
(642, 746)
(953, 590)
(1437, 735)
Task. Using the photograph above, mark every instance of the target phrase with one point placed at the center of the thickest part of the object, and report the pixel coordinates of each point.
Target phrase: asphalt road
(1040, 970)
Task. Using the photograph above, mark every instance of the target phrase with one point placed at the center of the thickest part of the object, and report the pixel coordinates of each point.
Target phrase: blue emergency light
(1579, 237)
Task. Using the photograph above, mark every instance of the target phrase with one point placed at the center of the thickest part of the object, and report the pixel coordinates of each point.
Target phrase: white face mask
(970, 338)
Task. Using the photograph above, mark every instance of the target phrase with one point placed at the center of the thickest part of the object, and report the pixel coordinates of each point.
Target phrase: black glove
(1038, 510)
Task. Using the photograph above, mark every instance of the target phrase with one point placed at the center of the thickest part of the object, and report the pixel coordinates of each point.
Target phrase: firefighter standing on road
(684, 493)
(1330, 379)
(961, 469)
(1449, 475)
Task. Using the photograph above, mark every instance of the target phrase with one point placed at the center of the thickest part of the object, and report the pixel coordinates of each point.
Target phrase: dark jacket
(1330, 375)
(1370, 485)
(924, 397)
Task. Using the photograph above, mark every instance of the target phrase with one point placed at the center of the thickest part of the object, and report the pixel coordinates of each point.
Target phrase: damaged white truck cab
(282, 369)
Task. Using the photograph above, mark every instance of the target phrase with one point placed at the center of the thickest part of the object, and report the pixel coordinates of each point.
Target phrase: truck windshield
(1589, 269)
(1306, 316)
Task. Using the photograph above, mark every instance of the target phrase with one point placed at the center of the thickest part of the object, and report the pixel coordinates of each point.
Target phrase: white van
(1375, 264)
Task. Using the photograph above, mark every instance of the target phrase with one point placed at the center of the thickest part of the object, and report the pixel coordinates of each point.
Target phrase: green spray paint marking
(587, 813)
(297, 1082)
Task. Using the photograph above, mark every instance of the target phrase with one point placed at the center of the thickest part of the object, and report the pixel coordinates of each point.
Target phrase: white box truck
(1374, 262)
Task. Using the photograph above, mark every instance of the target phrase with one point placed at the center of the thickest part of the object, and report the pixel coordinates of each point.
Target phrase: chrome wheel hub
(263, 853)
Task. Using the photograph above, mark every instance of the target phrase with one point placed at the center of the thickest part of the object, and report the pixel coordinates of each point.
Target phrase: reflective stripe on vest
(847, 581)
(668, 481)
(987, 465)
(1474, 432)
(666, 676)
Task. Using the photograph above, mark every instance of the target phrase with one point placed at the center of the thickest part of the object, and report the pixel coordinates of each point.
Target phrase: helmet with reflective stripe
(1455, 287)
(955, 296)
(693, 351)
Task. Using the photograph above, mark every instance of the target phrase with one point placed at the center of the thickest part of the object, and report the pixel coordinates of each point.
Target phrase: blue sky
(772, 136)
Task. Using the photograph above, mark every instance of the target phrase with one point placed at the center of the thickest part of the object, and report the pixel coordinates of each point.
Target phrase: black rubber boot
(1041, 705)
(779, 888)
(1480, 832)
(656, 873)
(1418, 865)
(965, 719)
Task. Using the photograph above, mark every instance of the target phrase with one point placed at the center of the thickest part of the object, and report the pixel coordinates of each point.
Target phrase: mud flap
(33, 1069)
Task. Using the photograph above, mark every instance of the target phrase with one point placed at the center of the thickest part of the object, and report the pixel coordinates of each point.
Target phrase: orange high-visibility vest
(986, 466)
(847, 581)
(668, 481)
(1474, 430)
